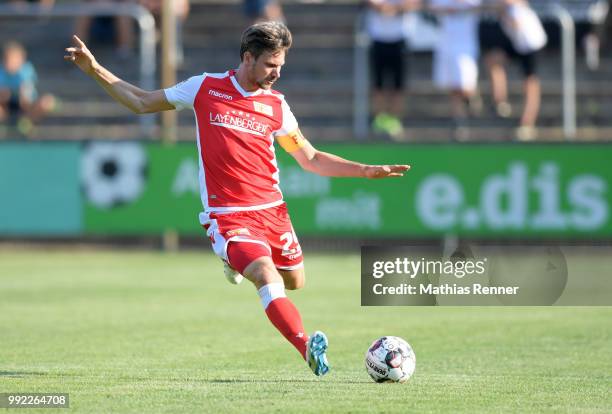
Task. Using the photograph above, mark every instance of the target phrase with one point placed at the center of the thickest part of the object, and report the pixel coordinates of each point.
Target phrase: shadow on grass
(20, 374)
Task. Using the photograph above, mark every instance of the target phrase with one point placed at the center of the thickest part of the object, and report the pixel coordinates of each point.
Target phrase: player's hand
(383, 171)
(80, 56)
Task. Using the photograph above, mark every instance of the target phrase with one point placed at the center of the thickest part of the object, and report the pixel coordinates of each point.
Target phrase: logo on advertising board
(518, 198)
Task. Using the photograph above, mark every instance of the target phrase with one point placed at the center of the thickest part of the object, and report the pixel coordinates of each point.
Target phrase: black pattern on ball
(393, 359)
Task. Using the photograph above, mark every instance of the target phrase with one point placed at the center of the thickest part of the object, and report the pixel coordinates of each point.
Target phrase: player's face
(266, 69)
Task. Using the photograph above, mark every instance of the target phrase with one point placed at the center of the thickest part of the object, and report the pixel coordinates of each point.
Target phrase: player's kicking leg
(316, 347)
(256, 265)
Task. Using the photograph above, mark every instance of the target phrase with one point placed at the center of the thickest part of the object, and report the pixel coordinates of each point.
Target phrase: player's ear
(247, 58)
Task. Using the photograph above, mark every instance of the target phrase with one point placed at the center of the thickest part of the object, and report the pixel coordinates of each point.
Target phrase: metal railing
(143, 17)
(361, 87)
(361, 80)
(568, 68)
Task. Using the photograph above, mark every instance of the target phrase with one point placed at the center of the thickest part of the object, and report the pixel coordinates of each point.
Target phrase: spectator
(258, 11)
(591, 45)
(386, 23)
(18, 94)
(101, 28)
(455, 56)
(519, 37)
(592, 32)
(181, 8)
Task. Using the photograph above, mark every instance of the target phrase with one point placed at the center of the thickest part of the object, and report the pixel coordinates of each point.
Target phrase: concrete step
(299, 61)
(70, 82)
(312, 110)
(79, 87)
(545, 134)
(214, 40)
(299, 17)
(314, 133)
(110, 131)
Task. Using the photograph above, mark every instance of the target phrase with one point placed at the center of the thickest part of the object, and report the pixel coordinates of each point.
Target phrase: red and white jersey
(235, 136)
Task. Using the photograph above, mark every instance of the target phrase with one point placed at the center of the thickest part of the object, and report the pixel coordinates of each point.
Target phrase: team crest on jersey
(238, 232)
(263, 108)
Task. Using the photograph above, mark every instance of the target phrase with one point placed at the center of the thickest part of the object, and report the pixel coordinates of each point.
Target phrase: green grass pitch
(146, 332)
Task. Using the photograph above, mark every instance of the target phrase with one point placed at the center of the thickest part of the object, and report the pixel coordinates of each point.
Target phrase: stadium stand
(317, 79)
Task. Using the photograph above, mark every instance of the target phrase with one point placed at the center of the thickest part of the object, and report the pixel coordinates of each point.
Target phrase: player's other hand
(80, 55)
(383, 171)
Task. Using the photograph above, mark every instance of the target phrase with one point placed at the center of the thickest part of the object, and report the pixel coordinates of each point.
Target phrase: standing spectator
(102, 28)
(386, 24)
(592, 32)
(455, 56)
(181, 9)
(519, 37)
(18, 94)
(493, 44)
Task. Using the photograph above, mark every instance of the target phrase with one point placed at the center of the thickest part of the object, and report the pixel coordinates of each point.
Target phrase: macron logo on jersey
(220, 95)
(240, 121)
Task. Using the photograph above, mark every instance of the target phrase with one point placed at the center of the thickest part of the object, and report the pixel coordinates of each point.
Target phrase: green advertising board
(152, 189)
(477, 190)
(39, 189)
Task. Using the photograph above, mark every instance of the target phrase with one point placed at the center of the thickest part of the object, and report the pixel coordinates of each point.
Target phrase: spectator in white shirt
(455, 66)
(386, 24)
(519, 37)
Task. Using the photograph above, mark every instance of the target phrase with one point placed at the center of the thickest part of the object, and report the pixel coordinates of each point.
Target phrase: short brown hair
(265, 37)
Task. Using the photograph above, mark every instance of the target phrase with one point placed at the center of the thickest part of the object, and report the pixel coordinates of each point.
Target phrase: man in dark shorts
(386, 24)
(497, 48)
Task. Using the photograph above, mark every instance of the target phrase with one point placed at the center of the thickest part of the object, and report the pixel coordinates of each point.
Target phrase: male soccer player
(238, 116)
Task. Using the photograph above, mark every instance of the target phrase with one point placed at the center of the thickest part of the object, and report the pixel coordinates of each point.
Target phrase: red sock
(286, 318)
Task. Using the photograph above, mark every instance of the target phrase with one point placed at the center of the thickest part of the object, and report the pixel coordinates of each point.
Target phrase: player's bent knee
(262, 272)
(294, 279)
(295, 284)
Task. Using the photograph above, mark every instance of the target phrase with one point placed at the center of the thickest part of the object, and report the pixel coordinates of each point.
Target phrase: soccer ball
(390, 359)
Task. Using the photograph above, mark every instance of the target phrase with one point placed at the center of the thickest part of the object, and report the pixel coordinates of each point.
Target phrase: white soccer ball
(390, 359)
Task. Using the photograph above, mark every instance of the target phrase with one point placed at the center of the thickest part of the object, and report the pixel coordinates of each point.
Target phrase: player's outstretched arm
(324, 163)
(137, 100)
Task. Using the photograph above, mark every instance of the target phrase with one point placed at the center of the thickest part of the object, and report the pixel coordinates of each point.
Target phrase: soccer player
(238, 117)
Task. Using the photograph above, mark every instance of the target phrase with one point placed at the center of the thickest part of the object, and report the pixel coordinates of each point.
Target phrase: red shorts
(270, 227)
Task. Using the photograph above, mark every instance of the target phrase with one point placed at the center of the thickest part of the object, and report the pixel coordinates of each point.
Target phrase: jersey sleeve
(289, 124)
(288, 135)
(182, 95)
